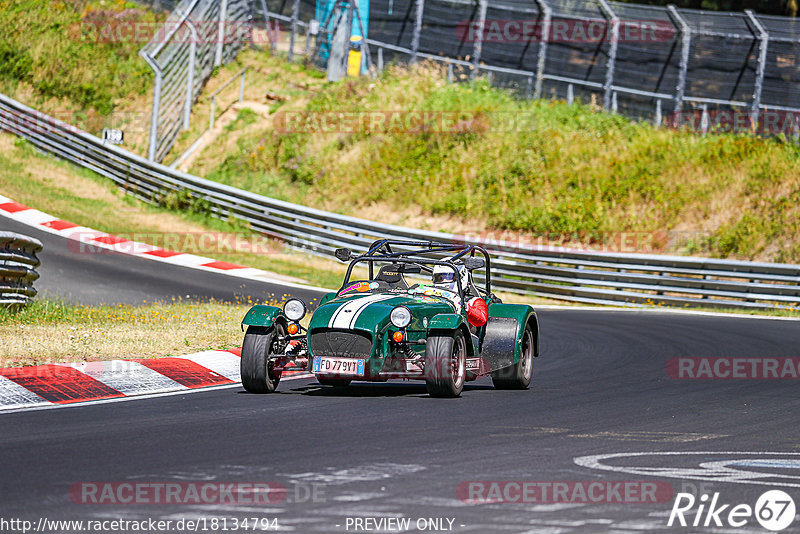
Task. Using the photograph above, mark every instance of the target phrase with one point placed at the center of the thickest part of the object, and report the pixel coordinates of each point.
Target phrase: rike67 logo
(774, 510)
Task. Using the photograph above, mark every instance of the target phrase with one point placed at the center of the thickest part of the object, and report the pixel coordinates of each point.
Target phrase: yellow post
(354, 57)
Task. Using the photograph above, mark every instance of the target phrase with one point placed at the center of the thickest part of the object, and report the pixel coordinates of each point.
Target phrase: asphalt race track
(109, 278)
(388, 450)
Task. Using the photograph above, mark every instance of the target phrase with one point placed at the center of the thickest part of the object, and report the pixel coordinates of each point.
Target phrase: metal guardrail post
(763, 43)
(541, 60)
(420, 4)
(151, 147)
(211, 114)
(241, 74)
(267, 29)
(223, 18)
(612, 52)
(307, 48)
(187, 108)
(686, 42)
(476, 54)
(295, 15)
(658, 118)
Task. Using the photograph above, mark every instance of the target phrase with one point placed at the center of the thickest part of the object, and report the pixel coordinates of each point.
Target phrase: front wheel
(518, 375)
(256, 366)
(445, 365)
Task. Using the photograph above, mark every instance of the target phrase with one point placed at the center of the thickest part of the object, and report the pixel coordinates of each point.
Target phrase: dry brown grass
(51, 332)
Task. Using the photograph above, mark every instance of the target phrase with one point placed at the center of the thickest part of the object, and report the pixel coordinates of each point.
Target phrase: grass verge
(53, 331)
(76, 53)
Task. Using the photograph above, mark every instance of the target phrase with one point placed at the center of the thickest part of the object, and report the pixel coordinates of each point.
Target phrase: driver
(444, 278)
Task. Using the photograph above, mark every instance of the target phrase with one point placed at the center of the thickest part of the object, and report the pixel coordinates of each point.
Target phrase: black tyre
(518, 376)
(335, 382)
(445, 365)
(256, 366)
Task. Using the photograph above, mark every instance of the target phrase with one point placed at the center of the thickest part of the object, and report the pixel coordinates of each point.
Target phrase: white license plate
(338, 366)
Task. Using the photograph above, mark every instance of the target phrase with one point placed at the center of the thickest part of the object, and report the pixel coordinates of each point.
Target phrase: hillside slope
(487, 163)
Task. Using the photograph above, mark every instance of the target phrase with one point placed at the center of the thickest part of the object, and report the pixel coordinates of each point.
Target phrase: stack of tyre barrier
(18, 263)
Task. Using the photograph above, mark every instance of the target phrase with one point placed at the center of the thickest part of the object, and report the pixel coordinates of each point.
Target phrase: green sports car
(419, 313)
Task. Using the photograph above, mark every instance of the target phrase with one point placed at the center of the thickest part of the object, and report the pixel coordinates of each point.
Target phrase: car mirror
(343, 254)
(472, 263)
(410, 269)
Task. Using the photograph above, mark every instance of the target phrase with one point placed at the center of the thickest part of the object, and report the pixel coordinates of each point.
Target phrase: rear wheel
(256, 366)
(518, 376)
(335, 382)
(445, 365)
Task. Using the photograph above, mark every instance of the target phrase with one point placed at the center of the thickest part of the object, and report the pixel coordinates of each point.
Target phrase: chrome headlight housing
(400, 317)
(294, 309)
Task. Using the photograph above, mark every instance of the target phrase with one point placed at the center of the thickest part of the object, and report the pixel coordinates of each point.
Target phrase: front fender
(261, 315)
(445, 321)
(453, 321)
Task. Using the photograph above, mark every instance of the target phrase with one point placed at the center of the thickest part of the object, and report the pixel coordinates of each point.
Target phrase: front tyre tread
(256, 366)
(445, 365)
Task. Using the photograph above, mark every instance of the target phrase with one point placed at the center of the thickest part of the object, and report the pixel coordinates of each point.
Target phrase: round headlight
(294, 309)
(400, 317)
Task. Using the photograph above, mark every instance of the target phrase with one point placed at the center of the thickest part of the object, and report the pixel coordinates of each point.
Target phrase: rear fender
(502, 342)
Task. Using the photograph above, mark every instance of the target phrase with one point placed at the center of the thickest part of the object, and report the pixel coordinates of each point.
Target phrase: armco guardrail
(594, 277)
(18, 263)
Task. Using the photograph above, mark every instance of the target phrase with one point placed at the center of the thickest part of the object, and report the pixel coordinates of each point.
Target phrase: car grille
(341, 343)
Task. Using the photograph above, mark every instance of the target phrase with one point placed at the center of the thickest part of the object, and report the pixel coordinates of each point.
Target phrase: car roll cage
(381, 250)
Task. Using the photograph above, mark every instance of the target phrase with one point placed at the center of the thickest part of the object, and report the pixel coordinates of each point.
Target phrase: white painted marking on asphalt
(367, 473)
(80, 234)
(718, 471)
(12, 394)
(129, 378)
(33, 217)
(49, 406)
(188, 260)
(221, 362)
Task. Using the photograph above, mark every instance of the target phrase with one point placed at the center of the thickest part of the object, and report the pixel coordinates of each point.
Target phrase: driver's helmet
(444, 277)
